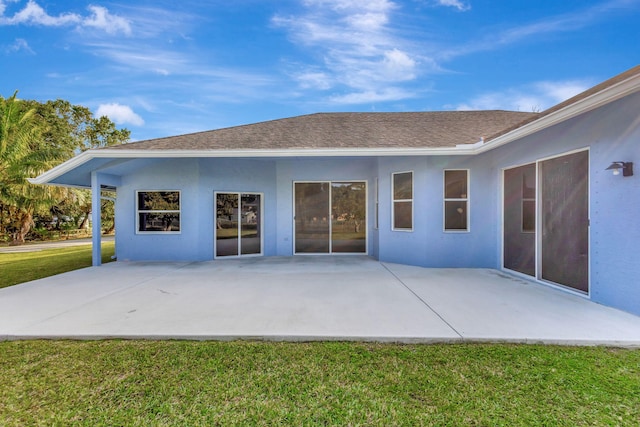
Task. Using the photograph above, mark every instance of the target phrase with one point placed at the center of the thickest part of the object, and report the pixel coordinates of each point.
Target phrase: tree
(35, 136)
(73, 128)
(22, 156)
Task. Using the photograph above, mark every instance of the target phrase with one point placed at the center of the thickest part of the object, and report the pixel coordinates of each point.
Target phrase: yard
(25, 266)
(255, 383)
(192, 383)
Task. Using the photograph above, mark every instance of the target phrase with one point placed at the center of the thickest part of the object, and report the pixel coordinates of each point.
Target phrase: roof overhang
(50, 176)
(596, 100)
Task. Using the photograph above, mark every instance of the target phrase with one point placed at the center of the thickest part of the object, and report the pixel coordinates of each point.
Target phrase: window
(402, 214)
(456, 200)
(158, 211)
(529, 201)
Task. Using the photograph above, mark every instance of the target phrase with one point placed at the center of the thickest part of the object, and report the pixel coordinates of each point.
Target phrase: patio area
(306, 298)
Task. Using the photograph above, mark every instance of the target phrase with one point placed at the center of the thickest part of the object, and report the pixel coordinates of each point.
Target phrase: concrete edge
(631, 344)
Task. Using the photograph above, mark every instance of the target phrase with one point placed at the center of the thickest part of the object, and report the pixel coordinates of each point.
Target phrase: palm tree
(22, 155)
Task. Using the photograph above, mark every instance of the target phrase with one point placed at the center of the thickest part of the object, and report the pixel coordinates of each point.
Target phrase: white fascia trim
(317, 152)
(62, 168)
(598, 99)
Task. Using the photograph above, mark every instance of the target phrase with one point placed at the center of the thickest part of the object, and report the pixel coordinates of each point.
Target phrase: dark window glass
(455, 184)
(149, 221)
(403, 186)
(158, 200)
(159, 211)
(402, 215)
(312, 204)
(455, 215)
(528, 216)
(456, 204)
(519, 244)
(529, 183)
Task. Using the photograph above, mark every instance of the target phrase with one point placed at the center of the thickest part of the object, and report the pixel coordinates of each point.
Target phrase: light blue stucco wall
(428, 244)
(198, 179)
(331, 169)
(179, 174)
(610, 133)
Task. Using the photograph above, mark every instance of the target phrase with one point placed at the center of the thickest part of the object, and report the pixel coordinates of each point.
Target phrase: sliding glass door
(519, 248)
(238, 224)
(546, 220)
(564, 209)
(330, 217)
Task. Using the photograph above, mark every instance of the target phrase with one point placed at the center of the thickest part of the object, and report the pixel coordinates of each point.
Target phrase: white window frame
(138, 211)
(456, 199)
(393, 202)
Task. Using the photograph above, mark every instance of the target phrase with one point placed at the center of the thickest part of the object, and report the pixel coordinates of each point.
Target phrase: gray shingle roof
(347, 130)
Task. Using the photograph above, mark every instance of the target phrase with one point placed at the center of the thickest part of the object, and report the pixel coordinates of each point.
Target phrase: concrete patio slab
(305, 298)
(489, 305)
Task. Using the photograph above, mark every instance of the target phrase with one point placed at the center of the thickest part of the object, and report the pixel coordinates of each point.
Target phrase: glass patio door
(546, 220)
(330, 217)
(564, 209)
(519, 244)
(238, 224)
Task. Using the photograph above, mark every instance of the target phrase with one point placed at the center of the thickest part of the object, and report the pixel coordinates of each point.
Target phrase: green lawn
(22, 267)
(246, 383)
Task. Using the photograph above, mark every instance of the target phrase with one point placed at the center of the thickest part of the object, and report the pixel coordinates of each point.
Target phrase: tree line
(34, 137)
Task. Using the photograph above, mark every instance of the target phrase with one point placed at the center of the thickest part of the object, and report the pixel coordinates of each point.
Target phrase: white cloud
(339, 5)
(142, 57)
(120, 114)
(357, 47)
(461, 6)
(19, 45)
(534, 97)
(398, 65)
(371, 21)
(34, 14)
(102, 19)
(576, 20)
(314, 80)
(367, 97)
(560, 91)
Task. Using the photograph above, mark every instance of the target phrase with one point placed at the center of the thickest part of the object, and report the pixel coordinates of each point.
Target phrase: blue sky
(164, 68)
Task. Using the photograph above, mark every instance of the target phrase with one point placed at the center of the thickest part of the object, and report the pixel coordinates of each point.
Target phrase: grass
(25, 266)
(247, 383)
(168, 383)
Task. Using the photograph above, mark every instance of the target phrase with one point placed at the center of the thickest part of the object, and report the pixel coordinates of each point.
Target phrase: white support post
(96, 210)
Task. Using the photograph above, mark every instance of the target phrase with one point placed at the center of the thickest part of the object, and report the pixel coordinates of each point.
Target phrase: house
(531, 194)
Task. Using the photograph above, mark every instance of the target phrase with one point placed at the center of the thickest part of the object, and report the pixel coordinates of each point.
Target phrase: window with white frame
(158, 211)
(402, 213)
(529, 200)
(456, 200)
